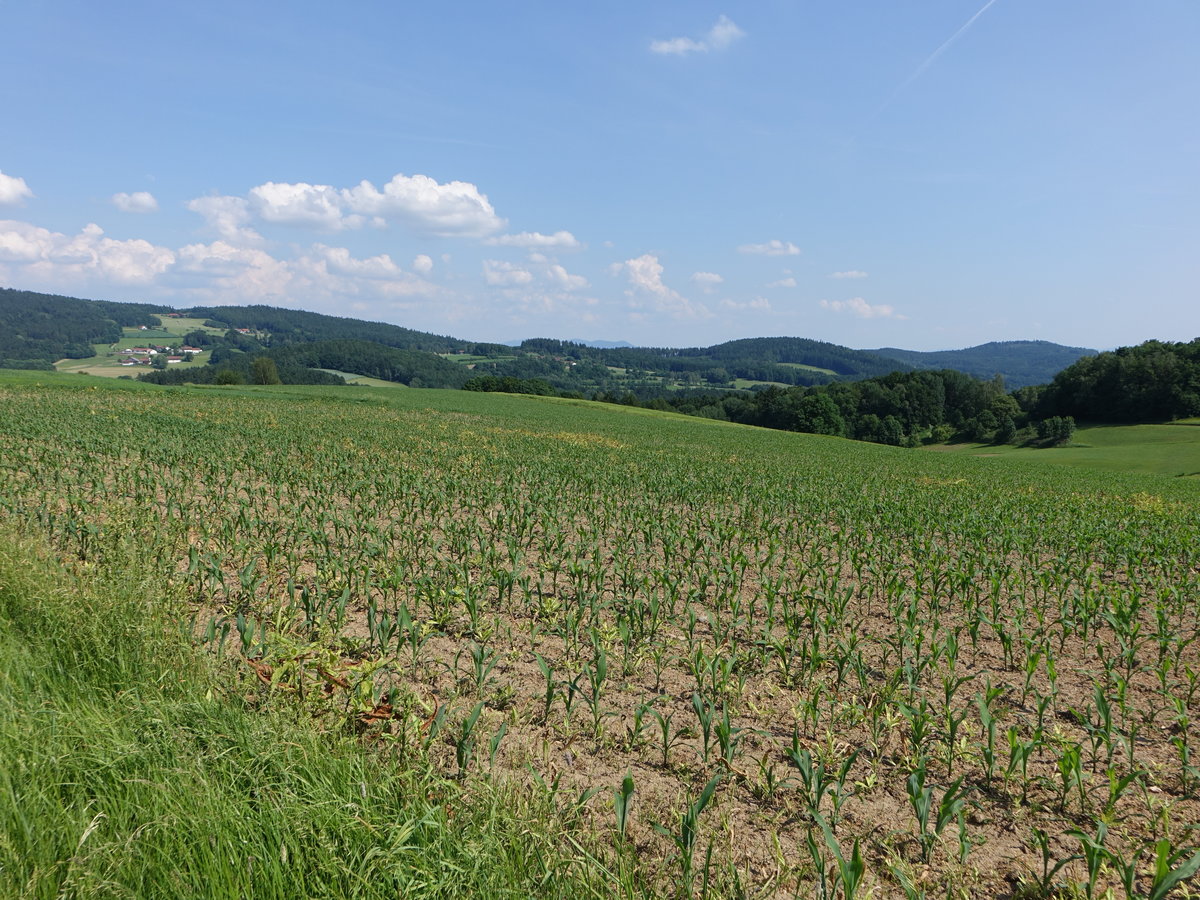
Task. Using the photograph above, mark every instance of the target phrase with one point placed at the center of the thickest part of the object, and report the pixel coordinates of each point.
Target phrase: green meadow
(1172, 449)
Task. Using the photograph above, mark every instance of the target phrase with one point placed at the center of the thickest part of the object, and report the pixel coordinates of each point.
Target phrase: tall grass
(124, 772)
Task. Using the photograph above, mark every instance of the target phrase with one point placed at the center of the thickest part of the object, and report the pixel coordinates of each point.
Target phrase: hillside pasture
(1168, 449)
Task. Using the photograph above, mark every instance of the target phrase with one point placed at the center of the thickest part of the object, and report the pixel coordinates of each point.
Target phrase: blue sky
(926, 175)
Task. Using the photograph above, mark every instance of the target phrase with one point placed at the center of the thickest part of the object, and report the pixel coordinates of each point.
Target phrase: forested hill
(804, 352)
(37, 329)
(288, 326)
(1022, 363)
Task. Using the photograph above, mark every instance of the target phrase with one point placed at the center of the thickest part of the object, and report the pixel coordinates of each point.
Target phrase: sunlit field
(741, 662)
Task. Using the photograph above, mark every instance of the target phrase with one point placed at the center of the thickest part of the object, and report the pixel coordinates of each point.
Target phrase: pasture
(1169, 449)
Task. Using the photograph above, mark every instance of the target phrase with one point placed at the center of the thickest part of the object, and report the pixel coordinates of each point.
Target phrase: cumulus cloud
(534, 239)
(218, 272)
(771, 248)
(454, 209)
(423, 264)
(851, 273)
(339, 261)
(13, 190)
(224, 272)
(707, 281)
(719, 37)
(315, 205)
(500, 273)
(647, 288)
(564, 279)
(137, 202)
(860, 308)
(321, 275)
(228, 217)
(788, 282)
(42, 254)
(332, 272)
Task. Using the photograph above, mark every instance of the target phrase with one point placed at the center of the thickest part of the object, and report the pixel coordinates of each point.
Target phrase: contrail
(920, 70)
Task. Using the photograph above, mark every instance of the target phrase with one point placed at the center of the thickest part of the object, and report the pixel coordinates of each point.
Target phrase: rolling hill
(36, 330)
(1022, 363)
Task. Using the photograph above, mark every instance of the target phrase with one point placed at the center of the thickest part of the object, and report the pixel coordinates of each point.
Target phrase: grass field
(809, 368)
(734, 662)
(365, 380)
(469, 359)
(1172, 449)
(746, 384)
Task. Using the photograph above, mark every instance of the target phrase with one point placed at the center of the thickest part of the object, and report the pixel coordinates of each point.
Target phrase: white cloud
(646, 285)
(316, 205)
(23, 243)
(851, 273)
(707, 281)
(332, 273)
(788, 282)
(564, 279)
(218, 272)
(13, 190)
(498, 272)
(771, 248)
(137, 202)
(530, 239)
(680, 46)
(320, 275)
(228, 217)
(225, 273)
(423, 264)
(44, 254)
(861, 309)
(339, 261)
(454, 209)
(758, 304)
(724, 33)
(719, 37)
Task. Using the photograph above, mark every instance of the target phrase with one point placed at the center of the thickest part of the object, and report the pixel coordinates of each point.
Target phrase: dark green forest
(1152, 382)
(288, 326)
(37, 329)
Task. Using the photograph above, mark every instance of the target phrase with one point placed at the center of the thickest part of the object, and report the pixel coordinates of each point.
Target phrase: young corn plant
(704, 716)
(597, 674)
(846, 874)
(1051, 865)
(668, 738)
(1094, 854)
(987, 720)
(621, 798)
(932, 820)
(464, 740)
(552, 689)
(685, 836)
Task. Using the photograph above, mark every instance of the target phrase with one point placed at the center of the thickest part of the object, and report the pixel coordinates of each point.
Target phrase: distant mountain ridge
(1022, 363)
